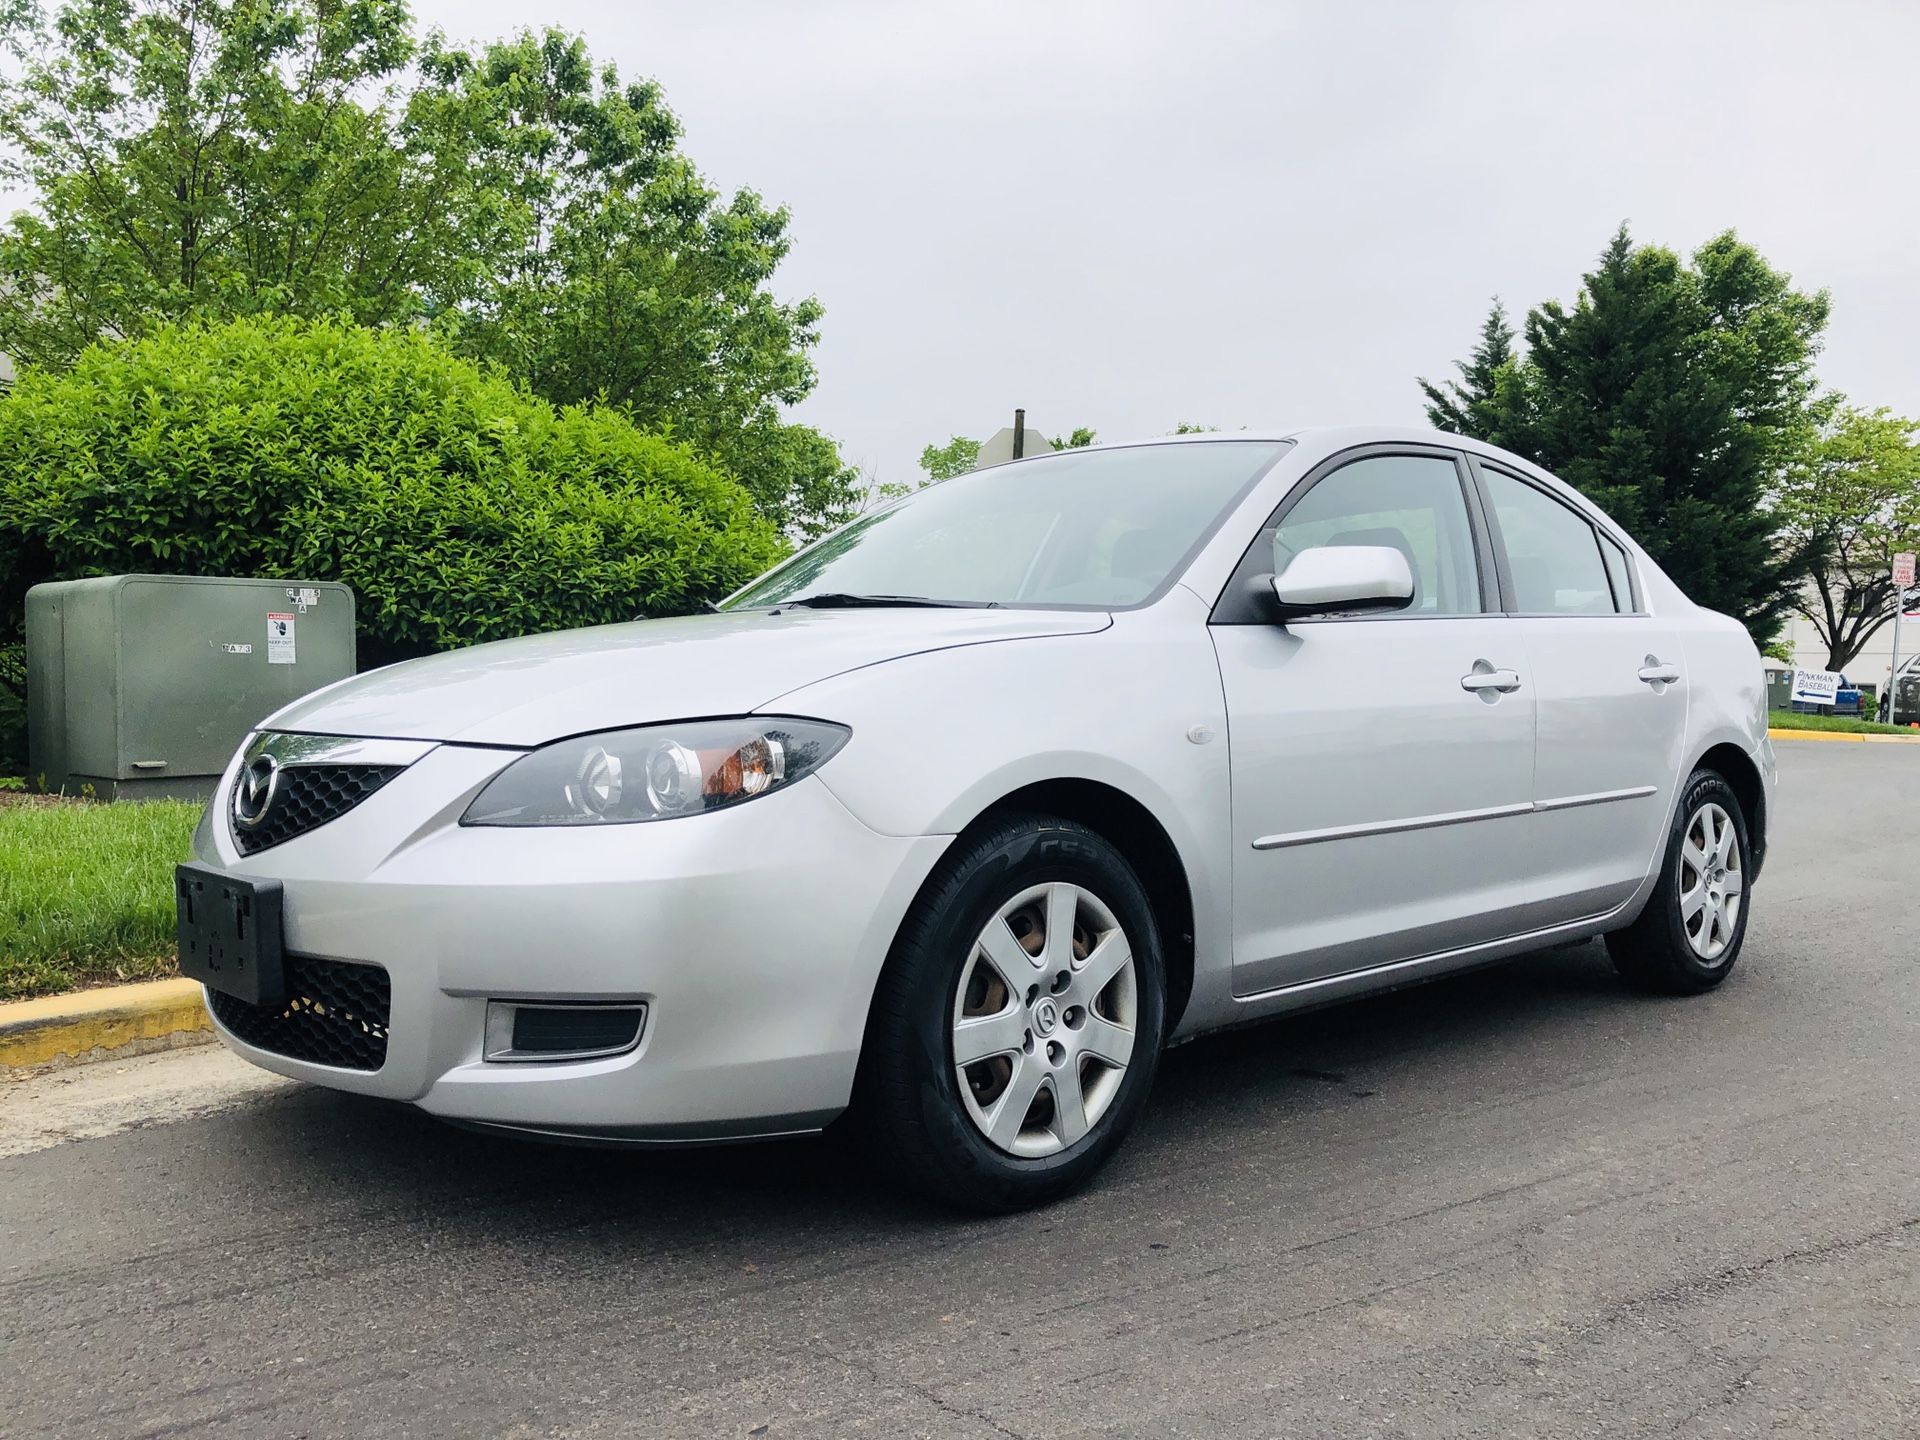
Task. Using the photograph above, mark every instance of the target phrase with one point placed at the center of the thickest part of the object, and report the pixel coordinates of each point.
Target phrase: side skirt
(1330, 989)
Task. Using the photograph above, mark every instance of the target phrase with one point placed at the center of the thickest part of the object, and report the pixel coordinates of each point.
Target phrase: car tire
(953, 981)
(1690, 933)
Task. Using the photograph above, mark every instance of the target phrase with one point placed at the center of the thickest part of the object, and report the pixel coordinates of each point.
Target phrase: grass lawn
(86, 891)
(1787, 720)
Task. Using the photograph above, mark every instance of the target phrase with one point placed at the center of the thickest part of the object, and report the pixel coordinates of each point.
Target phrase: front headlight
(657, 772)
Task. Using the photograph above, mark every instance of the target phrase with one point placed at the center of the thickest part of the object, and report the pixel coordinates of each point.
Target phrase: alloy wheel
(1044, 1019)
(1711, 883)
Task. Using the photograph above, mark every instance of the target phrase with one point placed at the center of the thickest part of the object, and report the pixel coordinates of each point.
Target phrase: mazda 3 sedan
(952, 822)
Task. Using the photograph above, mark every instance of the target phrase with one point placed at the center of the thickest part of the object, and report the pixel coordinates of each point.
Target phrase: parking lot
(1520, 1202)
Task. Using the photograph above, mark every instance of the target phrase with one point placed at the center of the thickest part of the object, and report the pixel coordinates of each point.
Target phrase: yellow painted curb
(102, 1024)
(1848, 736)
(1856, 737)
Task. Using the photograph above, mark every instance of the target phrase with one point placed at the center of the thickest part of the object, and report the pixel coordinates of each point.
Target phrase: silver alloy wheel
(1044, 1019)
(1711, 882)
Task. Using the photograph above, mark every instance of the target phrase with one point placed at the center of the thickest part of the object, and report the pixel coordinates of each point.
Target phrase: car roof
(1331, 436)
(1321, 441)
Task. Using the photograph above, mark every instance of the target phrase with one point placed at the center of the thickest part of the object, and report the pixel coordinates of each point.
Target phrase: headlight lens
(657, 772)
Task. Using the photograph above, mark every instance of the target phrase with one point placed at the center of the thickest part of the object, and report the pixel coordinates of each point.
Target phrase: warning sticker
(280, 639)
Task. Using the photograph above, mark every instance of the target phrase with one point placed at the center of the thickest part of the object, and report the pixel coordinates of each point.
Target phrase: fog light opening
(524, 1031)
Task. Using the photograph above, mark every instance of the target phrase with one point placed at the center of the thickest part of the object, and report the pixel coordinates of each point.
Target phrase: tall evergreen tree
(1470, 405)
(1679, 397)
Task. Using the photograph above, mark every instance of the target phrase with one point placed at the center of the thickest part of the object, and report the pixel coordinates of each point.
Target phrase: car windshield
(1102, 528)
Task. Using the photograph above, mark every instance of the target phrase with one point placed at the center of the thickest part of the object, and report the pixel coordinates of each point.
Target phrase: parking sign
(1903, 569)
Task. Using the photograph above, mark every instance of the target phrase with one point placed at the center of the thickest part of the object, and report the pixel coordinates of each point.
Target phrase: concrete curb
(107, 1024)
(1845, 736)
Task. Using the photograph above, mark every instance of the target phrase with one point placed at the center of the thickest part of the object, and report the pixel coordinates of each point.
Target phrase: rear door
(1382, 764)
(1610, 693)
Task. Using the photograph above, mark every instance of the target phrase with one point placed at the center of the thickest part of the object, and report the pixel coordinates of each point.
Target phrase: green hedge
(13, 710)
(458, 507)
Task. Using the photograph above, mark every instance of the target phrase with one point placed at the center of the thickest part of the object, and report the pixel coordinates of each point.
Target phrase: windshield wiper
(839, 600)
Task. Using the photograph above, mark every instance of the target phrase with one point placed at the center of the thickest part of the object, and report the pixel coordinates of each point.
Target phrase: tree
(1468, 406)
(961, 454)
(638, 283)
(215, 158)
(208, 159)
(459, 507)
(1850, 508)
(956, 457)
(1678, 397)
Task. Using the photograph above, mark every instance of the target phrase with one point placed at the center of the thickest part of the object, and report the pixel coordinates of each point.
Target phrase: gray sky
(1130, 214)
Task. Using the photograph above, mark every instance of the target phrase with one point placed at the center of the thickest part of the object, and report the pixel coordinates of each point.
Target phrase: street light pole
(1893, 672)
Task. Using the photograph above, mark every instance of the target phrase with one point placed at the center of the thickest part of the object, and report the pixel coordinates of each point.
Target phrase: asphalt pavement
(1520, 1202)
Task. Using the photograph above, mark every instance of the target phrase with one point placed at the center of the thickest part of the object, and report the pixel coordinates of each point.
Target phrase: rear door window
(1553, 552)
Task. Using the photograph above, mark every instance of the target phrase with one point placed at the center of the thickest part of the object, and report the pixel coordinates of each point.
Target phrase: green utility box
(145, 685)
(1780, 689)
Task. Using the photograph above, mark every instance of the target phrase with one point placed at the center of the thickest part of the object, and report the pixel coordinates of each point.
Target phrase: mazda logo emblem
(253, 793)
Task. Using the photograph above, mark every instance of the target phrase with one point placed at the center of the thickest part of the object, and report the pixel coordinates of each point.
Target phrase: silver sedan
(952, 822)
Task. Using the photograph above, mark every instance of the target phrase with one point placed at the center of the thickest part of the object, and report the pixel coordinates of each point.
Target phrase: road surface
(1522, 1202)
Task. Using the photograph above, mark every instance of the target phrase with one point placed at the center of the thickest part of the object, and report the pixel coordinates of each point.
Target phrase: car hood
(542, 687)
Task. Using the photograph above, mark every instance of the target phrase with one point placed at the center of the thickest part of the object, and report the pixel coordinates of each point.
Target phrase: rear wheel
(1017, 1027)
(1689, 935)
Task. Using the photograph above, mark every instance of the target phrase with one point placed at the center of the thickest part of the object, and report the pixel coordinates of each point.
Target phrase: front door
(1382, 766)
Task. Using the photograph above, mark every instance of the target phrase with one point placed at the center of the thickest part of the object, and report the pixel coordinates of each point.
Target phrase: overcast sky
(1129, 214)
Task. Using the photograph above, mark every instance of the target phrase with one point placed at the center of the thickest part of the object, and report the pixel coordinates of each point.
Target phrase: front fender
(938, 739)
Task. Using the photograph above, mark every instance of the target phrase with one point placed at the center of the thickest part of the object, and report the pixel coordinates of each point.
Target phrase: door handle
(1655, 673)
(1505, 681)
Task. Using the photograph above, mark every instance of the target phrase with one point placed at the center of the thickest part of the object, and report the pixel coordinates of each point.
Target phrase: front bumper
(754, 935)
(1760, 827)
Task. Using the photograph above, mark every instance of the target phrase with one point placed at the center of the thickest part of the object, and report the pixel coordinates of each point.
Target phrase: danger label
(280, 639)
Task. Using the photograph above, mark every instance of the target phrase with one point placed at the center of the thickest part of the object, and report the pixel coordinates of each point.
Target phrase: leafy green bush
(457, 507)
(13, 710)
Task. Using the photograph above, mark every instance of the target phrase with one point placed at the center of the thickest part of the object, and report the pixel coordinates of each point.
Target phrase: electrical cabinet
(145, 685)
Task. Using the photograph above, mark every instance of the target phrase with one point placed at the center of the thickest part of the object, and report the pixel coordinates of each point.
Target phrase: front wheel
(1018, 1024)
(1690, 933)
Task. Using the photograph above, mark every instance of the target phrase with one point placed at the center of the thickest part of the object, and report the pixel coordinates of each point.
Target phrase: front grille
(334, 1014)
(306, 796)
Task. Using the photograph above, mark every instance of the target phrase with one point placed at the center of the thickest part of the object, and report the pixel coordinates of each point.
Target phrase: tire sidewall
(1702, 789)
(1027, 854)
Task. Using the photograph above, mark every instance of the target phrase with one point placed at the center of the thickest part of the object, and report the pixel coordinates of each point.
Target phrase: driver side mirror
(1343, 579)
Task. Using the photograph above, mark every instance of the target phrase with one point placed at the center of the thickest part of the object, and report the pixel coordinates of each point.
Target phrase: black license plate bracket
(229, 933)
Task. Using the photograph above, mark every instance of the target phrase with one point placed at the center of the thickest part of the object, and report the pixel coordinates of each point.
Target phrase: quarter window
(1411, 503)
(1553, 553)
